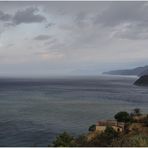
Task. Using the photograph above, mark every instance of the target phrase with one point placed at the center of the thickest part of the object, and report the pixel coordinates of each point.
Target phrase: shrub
(139, 141)
(63, 140)
(121, 142)
(146, 121)
(92, 128)
(137, 111)
(105, 138)
(109, 134)
(81, 141)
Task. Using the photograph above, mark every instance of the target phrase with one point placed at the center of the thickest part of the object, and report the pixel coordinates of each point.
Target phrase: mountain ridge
(138, 71)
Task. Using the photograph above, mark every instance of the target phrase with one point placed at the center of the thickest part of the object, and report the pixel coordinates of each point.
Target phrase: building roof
(110, 123)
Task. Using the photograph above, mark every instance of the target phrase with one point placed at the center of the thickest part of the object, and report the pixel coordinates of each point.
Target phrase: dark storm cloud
(130, 16)
(28, 15)
(4, 16)
(121, 12)
(42, 37)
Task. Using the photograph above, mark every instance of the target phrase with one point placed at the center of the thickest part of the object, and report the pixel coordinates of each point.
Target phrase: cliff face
(143, 81)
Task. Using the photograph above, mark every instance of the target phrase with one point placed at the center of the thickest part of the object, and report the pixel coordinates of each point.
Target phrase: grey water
(34, 111)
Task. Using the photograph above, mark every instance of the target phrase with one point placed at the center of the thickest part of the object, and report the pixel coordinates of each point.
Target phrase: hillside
(138, 71)
(145, 72)
(134, 133)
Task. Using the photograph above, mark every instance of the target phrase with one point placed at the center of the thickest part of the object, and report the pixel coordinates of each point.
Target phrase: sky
(72, 38)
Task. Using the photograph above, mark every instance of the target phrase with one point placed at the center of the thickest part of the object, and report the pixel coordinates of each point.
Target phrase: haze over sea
(34, 111)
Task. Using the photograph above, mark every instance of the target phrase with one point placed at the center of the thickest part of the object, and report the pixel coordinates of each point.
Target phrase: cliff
(143, 81)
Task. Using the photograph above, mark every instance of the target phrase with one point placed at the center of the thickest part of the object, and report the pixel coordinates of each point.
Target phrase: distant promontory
(138, 71)
(141, 72)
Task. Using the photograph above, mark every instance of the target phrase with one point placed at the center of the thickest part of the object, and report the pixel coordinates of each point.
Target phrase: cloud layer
(28, 15)
(72, 37)
(42, 37)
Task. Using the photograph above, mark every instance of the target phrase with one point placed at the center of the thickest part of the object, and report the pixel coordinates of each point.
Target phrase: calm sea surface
(34, 111)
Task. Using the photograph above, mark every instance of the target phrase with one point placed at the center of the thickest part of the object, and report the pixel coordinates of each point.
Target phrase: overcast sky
(72, 38)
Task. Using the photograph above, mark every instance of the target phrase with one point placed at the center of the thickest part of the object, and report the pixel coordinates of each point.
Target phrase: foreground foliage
(123, 117)
(134, 135)
(102, 139)
(63, 140)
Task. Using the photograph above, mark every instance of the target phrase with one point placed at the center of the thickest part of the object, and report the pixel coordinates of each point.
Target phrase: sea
(34, 111)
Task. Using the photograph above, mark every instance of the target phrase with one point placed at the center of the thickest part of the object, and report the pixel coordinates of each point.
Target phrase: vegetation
(92, 128)
(81, 141)
(123, 117)
(134, 135)
(146, 121)
(63, 140)
(139, 140)
(137, 112)
(135, 140)
(102, 139)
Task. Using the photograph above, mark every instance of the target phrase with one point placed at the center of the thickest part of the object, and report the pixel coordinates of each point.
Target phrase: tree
(137, 111)
(63, 140)
(123, 117)
(92, 128)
